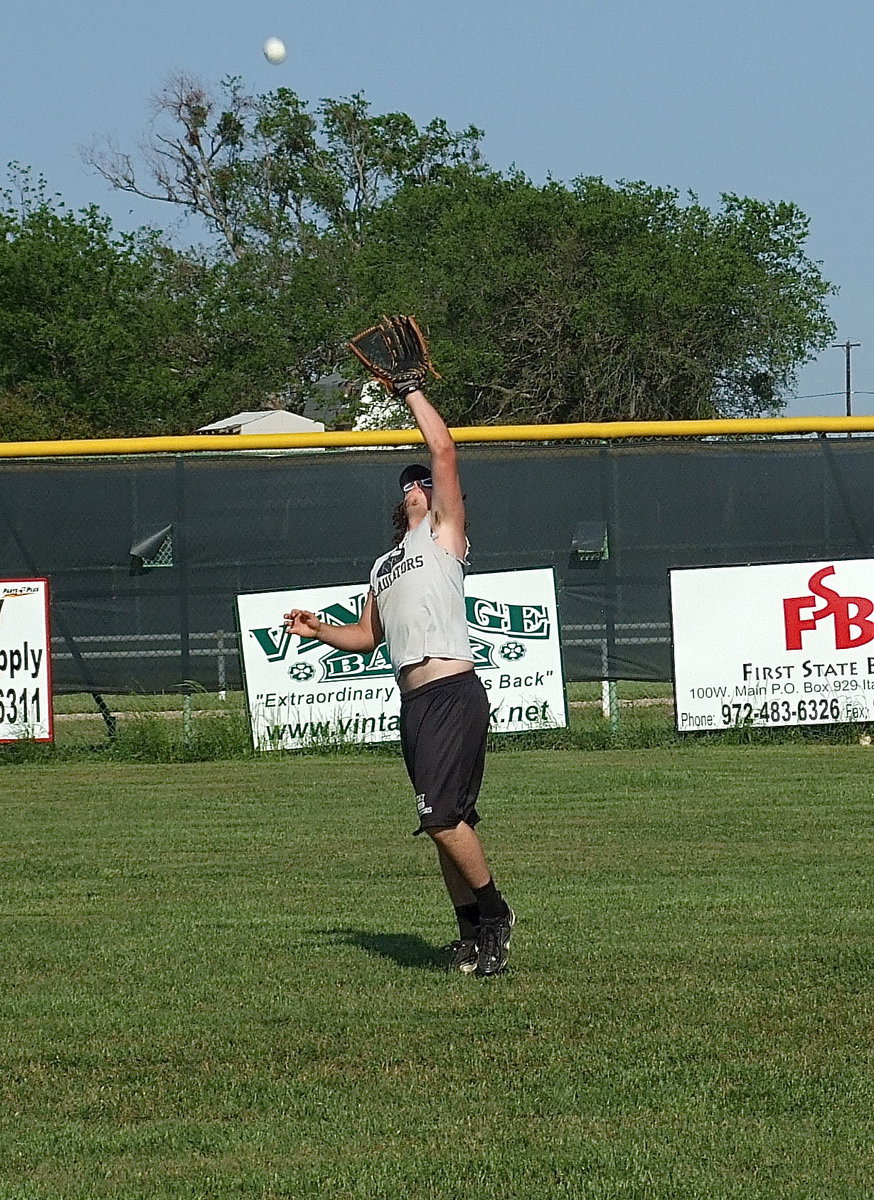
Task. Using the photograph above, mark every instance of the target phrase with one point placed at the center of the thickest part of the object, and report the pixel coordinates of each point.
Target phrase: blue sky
(771, 99)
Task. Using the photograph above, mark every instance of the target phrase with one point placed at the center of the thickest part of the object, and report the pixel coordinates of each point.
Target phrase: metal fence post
(222, 678)
(186, 718)
(609, 697)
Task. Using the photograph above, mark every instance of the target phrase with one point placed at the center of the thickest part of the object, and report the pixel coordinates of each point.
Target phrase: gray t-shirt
(419, 590)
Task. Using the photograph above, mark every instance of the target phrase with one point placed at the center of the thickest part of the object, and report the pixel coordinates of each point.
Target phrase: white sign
(783, 644)
(302, 692)
(25, 661)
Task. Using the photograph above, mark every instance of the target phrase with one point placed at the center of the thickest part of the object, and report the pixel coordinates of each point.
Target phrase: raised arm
(447, 504)
(396, 353)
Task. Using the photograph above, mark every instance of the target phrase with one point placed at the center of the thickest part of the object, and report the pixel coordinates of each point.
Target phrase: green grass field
(224, 980)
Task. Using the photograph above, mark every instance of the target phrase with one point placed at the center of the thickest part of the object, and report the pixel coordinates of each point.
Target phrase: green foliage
(586, 302)
(267, 170)
(84, 322)
(104, 334)
(595, 303)
(258, 331)
(208, 737)
(337, 165)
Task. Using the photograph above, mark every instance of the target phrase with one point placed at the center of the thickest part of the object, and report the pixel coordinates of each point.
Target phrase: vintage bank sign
(780, 644)
(302, 692)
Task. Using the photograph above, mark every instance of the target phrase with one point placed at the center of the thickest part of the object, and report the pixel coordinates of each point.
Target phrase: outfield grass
(224, 980)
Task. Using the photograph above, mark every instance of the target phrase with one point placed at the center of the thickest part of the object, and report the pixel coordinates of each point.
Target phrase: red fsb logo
(851, 613)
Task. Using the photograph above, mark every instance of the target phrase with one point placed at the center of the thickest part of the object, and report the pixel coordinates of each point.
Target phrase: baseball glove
(396, 353)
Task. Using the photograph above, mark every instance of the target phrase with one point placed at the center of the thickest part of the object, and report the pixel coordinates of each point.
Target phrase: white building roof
(271, 420)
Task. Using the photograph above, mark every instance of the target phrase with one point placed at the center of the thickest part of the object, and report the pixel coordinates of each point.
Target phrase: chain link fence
(220, 646)
(145, 555)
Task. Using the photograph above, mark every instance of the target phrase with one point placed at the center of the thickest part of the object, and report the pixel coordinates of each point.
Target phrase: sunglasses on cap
(425, 483)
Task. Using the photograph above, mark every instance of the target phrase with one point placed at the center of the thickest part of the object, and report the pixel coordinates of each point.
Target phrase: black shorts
(443, 738)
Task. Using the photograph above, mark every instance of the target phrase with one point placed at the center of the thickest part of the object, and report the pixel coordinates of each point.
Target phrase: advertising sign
(25, 661)
(781, 644)
(301, 692)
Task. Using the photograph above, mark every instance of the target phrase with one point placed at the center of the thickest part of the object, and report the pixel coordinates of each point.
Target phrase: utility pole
(848, 348)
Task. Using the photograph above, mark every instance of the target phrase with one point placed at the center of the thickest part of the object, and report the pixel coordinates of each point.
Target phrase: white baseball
(274, 50)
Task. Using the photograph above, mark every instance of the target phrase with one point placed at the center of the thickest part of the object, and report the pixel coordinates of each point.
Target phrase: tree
(263, 329)
(84, 323)
(266, 169)
(112, 335)
(592, 302)
(583, 302)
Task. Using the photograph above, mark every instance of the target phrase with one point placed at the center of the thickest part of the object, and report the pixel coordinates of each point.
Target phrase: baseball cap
(412, 473)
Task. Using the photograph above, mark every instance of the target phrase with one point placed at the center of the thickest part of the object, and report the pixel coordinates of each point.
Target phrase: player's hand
(304, 624)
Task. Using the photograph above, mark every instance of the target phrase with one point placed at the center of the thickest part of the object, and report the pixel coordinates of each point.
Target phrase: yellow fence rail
(595, 431)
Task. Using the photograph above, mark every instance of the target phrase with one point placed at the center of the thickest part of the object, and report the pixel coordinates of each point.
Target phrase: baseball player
(416, 604)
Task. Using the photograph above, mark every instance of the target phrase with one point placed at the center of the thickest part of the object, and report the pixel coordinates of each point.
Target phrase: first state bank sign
(778, 644)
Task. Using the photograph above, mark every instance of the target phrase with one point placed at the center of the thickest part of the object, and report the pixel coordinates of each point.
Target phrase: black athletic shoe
(494, 944)
(464, 956)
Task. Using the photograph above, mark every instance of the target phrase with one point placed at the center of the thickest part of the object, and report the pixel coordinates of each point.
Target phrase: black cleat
(494, 944)
(464, 956)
